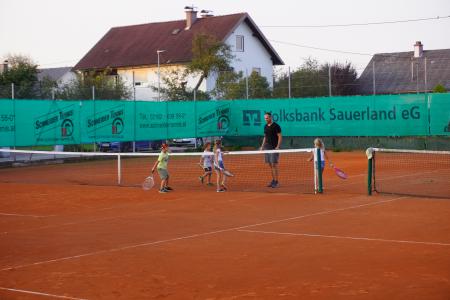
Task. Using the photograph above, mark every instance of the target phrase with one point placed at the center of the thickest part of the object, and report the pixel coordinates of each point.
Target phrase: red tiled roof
(136, 45)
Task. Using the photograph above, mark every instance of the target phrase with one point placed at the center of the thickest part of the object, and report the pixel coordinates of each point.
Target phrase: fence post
(373, 76)
(15, 126)
(134, 129)
(417, 77)
(426, 79)
(246, 84)
(134, 88)
(289, 81)
(95, 126)
(329, 80)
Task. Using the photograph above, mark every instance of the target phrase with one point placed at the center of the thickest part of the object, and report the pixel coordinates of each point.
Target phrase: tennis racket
(148, 183)
(227, 173)
(339, 173)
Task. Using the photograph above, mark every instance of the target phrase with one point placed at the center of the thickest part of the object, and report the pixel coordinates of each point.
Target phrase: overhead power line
(318, 48)
(57, 63)
(357, 24)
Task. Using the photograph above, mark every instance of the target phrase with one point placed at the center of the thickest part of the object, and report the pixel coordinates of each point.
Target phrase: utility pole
(373, 77)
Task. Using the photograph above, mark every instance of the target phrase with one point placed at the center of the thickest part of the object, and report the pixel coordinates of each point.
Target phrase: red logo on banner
(63, 131)
(114, 129)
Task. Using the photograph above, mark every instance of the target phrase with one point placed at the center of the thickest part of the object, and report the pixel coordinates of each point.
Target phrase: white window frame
(257, 70)
(240, 46)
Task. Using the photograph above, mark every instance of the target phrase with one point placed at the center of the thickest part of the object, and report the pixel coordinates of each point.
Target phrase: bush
(439, 89)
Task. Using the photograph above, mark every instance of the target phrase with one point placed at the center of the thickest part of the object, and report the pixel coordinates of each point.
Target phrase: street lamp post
(159, 75)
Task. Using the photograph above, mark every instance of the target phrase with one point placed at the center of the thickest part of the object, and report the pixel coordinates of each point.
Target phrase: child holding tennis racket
(206, 162)
(219, 167)
(161, 166)
(319, 144)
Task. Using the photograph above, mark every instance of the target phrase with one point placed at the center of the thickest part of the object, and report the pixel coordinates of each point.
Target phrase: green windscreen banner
(55, 122)
(439, 114)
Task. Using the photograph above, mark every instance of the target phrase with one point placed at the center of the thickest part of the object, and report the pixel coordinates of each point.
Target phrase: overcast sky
(60, 32)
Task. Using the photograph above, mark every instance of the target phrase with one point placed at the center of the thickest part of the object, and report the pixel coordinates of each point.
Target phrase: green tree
(174, 88)
(208, 55)
(307, 81)
(22, 71)
(47, 88)
(312, 80)
(229, 86)
(232, 85)
(343, 78)
(439, 88)
(106, 87)
(258, 87)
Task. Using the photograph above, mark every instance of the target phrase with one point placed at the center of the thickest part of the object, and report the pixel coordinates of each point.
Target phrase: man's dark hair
(268, 113)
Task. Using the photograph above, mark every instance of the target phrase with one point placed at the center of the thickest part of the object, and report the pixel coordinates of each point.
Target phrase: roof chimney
(191, 16)
(418, 49)
(4, 66)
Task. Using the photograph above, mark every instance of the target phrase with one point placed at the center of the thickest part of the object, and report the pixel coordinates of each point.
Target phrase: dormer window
(240, 43)
(257, 71)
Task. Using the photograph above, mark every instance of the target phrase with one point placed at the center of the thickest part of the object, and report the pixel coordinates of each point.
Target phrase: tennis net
(409, 172)
(251, 173)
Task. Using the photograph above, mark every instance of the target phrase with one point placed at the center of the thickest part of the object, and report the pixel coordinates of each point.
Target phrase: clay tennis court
(65, 240)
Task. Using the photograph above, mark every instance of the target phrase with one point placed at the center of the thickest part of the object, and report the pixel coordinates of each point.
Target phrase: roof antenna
(206, 13)
(192, 7)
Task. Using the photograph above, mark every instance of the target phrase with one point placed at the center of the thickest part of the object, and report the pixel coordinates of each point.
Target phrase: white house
(61, 75)
(135, 52)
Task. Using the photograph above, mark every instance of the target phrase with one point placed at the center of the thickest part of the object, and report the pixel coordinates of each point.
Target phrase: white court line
(197, 235)
(102, 219)
(346, 237)
(414, 174)
(40, 294)
(84, 222)
(90, 221)
(20, 215)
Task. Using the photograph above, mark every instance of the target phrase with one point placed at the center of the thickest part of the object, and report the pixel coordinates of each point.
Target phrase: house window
(140, 77)
(240, 43)
(257, 70)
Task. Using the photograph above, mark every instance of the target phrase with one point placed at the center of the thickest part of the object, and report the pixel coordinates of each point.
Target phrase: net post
(369, 178)
(319, 170)
(119, 170)
(369, 153)
(315, 176)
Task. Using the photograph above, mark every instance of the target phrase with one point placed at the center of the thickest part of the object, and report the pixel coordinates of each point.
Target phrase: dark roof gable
(136, 45)
(52, 73)
(401, 72)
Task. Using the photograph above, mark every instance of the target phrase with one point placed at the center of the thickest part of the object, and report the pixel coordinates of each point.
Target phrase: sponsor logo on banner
(215, 122)
(60, 120)
(251, 117)
(117, 126)
(67, 128)
(107, 123)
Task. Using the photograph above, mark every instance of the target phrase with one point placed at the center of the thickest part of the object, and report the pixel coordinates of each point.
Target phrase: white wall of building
(146, 78)
(253, 56)
(67, 78)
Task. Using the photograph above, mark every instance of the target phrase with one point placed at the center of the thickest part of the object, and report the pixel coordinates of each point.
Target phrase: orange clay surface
(69, 241)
